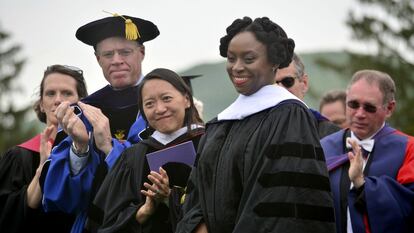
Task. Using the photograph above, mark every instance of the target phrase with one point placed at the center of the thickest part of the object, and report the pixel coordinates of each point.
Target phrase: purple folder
(182, 153)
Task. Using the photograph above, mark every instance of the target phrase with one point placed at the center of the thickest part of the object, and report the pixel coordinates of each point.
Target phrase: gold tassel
(131, 30)
(182, 199)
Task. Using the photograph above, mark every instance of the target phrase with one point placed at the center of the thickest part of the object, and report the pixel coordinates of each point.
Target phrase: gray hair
(299, 67)
(384, 81)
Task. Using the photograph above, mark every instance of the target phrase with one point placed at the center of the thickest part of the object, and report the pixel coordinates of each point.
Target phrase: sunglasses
(287, 82)
(74, 68)
(367, 107)
(61, 67)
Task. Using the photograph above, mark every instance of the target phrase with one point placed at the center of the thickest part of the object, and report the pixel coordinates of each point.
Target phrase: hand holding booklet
(177, 160)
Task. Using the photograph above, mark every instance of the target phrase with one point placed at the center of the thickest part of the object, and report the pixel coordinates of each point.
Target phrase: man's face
(335, 112)
(288, 75)
(120, 60)
(362, 99)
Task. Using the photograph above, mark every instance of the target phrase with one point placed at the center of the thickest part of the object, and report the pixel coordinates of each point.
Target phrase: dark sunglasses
(367, 107)
(287, 82)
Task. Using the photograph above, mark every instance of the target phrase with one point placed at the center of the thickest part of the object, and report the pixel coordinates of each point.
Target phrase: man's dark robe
(385, 203)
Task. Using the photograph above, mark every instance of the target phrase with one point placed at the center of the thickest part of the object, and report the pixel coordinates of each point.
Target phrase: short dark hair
(191, 113)
(73, 72)
(332, 97)
(279, 46)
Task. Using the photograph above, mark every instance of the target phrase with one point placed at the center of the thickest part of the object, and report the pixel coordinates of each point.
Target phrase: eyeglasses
(367, 107)
(122, 52)
(287, 82)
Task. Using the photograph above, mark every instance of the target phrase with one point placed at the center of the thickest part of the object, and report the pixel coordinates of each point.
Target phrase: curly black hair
(279, 46)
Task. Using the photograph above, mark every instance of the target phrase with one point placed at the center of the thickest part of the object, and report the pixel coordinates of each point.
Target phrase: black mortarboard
(142, 30)
(187, 79)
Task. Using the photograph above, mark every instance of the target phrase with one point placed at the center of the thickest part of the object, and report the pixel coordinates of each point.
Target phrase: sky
(190, 31)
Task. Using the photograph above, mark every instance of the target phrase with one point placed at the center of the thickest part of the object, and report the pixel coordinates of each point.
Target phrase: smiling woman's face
(247, 64)
(164, 106)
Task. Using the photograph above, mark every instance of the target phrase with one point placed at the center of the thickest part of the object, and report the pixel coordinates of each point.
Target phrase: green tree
(387, 27)
(13, 129)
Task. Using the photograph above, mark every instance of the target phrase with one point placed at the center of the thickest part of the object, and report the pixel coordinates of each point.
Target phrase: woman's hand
(46, 143)
(156, 193)
(160, 188)
(72, 125)
(146, 210)
(34, 193)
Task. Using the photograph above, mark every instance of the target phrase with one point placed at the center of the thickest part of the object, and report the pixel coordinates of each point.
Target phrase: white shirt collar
(167, 138)
(244, 106)
(367, 143)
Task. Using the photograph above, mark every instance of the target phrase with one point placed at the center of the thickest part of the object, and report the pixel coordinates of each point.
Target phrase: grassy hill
(216, 91)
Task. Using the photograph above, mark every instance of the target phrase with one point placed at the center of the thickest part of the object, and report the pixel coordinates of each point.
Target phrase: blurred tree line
(388, 27)
(13, 122)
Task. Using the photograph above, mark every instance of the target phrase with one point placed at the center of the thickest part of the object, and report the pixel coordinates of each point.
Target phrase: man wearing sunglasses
(372, 172)
(295, 80)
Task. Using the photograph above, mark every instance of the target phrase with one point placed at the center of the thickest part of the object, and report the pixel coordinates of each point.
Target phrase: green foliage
(388, 27)
(13, 127)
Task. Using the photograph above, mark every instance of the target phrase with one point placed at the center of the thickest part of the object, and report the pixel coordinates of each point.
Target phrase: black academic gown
(324, 126)
(17, 169)
(119, 198)
(264, 173)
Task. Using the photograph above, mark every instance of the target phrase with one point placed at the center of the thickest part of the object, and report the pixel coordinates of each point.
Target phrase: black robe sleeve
(326, 128)
(16, 172)
(17, 169)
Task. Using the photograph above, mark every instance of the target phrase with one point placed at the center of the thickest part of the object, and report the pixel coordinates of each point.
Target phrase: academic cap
(117, 26)
(187, 79)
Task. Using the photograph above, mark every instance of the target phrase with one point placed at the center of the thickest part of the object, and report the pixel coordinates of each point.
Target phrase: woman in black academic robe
(261, 167)
(119, 205)
(20, 166)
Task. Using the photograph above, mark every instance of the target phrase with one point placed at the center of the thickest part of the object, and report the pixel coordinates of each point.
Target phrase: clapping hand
(356, 167)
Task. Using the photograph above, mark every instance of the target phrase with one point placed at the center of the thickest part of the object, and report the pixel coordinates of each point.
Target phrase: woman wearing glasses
(261, 167)
(20, 166)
